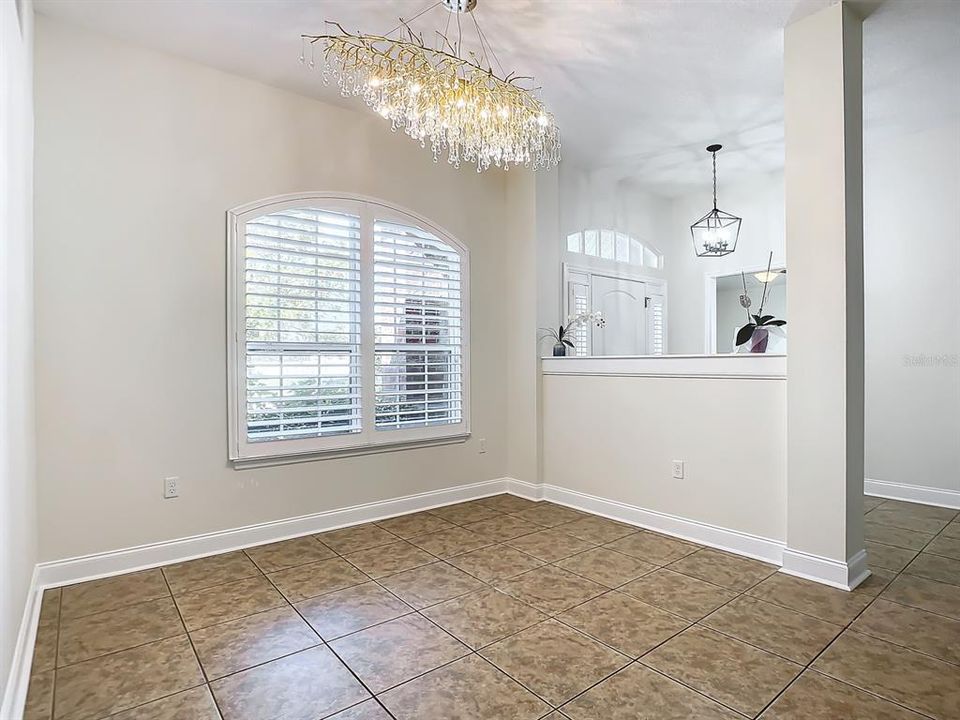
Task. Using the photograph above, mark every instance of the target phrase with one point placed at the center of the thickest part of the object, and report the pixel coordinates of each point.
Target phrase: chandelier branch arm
(443, 95)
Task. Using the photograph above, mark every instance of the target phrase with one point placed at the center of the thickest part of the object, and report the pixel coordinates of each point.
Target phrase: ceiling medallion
(716, 233)
(441, 95)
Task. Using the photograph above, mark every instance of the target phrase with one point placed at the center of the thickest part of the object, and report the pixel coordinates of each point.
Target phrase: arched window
(614, 245)
(347, 328)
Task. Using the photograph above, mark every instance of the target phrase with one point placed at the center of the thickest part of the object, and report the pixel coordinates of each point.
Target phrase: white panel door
(622, 303)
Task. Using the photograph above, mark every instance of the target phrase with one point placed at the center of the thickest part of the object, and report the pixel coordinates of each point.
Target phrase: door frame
(615, 274)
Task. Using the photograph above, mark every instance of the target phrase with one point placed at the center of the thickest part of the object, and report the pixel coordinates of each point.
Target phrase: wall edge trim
(912, 493)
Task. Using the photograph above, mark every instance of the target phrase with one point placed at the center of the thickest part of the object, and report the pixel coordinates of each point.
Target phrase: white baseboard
(752, 546)
(843, 575)
(912, 493)
(90, 567)
(18, 680)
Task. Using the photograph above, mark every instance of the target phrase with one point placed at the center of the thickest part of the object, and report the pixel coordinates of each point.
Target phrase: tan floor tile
(50, 606)
(723, 569)
(421, 523)
(430, 584)
(936, 597)
(679, 594)
(195, 704)
(495, 562)
(624, 623)
(308, 685)
(367, 710)
(90, 636)
(787, 633)
(468, 689)
(554, 661)
(639, 693)
(503, 528)
(598, 530)
(447, 543)
(482, 618)
(935, 567)
(228, 602)
(289, 553)
(817, 697)
(607, 567)
(551, 589)
(465, 513)
(888, 557)
(917, 681)
(340, 613)
(390, 559)
(946, 546)
(549, 545)
(39, 704)
(952, 530)
(48, 629)
(826, 603)
(897, 537)
(318, 578)
(869, 503)
(393, 652)
(653, 548)
(913, 628)
(209, 571)
(549, 515)
(917, 510)
(506, 503)
(906, 521)
(731, 672)
(875, 583)
(356, 538)
(239, 644)
(112, 592)
(116, 682)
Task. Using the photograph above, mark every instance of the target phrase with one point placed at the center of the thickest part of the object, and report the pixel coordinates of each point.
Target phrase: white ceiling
(639, 87)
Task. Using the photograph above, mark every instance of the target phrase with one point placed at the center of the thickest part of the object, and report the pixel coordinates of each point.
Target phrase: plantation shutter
(579, 302)
(302, 324)
(656, 325)
(418, 328)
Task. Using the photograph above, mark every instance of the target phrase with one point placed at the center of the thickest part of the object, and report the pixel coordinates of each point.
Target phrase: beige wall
(142, 154)
(18, 521)
(616, 438)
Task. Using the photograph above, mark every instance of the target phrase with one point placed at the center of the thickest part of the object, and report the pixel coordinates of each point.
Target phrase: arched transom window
(614, 245)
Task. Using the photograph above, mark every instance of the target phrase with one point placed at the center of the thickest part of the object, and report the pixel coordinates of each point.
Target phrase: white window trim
(369, 440)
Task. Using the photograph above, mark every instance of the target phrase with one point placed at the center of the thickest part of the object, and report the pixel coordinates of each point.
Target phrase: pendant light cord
(714, 179)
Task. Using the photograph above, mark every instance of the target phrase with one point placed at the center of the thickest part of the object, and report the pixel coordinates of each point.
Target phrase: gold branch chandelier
(438, 94)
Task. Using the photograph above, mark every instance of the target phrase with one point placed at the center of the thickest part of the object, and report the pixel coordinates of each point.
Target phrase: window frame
(241, 451)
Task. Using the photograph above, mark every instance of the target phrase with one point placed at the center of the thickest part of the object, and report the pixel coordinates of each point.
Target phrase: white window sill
(370, 449)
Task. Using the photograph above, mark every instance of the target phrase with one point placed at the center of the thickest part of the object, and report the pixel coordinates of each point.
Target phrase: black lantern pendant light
(716, 233)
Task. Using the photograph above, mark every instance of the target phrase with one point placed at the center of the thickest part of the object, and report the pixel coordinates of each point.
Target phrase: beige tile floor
(505, 609)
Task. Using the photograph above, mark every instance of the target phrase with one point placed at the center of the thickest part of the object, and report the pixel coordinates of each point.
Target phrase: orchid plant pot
(559, 350)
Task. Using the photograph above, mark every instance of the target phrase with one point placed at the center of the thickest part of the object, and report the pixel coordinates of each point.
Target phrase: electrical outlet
(171, 488)
(483, 445)
(678, 469)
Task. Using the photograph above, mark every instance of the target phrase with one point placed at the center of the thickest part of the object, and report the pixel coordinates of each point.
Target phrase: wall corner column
(823, 121)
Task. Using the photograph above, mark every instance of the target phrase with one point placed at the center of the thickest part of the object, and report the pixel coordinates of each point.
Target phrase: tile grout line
(809, 666)
(330, 649)
(193, 647)
(488, 585)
